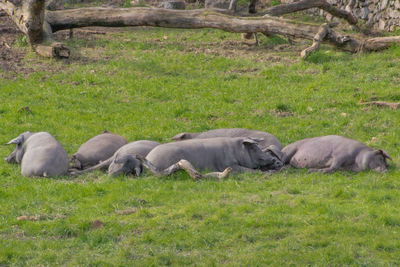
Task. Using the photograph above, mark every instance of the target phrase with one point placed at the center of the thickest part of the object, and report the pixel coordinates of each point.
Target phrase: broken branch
(318, 38)
(280, 10)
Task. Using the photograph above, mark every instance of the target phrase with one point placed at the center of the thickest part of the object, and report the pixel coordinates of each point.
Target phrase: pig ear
(180, 136)
(275, 151)
(249, 142)
(17, 141)
(119, 160)
(257, 139)
(76, 163)
(384, 154)
(125, 159)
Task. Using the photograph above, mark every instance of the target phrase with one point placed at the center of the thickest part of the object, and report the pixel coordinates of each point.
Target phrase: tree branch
(280, 10)
(318, 38)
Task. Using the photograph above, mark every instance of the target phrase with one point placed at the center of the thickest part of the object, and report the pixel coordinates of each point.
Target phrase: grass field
(153, 83)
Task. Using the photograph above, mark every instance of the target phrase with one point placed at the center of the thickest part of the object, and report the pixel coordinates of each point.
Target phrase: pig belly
(311, 159)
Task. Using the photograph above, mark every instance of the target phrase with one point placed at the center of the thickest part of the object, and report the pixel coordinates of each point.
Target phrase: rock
(394, 14)
(224, 4)
(364, 13)
(397, 4)
(384, 4)
(381, 25)
(378, 14)
(329, 17)
(54, 5)
(172, 5)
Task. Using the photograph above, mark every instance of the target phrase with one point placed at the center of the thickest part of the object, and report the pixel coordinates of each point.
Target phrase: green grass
(143, 85)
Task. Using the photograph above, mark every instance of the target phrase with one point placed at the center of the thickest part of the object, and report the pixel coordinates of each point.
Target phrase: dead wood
(280, 10)
(29, 18)
(203, 18)
(382, 104)
(318, 38)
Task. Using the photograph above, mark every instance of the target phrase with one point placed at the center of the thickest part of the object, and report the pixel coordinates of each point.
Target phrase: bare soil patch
(10, 57)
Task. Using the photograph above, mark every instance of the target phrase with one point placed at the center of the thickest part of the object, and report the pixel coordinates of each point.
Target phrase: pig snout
(381, 169)
(276, 164)
(10, 159)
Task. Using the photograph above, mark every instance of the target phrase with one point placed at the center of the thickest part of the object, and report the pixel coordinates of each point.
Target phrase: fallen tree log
(203, 18)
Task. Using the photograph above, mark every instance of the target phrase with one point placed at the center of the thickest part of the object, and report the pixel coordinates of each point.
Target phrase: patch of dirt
(96, 224)
(40, 217)
(10, 57)
(281, 114)
(127, 211)
(12, 61)
(247, 49)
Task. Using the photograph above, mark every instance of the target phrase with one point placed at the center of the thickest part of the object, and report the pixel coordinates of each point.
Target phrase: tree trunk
(252, 6)
(29, 18)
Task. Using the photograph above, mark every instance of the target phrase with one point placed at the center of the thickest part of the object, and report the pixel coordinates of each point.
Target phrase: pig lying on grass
(96, 149)
(330, 153)
(39, 154)
(221, 155)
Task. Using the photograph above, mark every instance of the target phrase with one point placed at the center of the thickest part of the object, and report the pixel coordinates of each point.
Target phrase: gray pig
(124, 159)
(96, 149)
(39, 154)
(330, 153)
(216, 154)
(266, 139)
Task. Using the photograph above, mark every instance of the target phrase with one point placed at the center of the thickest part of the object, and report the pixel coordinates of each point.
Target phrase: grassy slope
(144, 87)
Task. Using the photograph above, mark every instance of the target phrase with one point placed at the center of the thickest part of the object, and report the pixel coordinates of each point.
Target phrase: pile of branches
(39, 24)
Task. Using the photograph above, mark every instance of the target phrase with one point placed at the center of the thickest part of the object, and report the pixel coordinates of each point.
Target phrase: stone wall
(379, 14)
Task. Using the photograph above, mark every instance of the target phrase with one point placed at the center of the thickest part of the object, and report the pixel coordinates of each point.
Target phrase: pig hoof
(225, 173)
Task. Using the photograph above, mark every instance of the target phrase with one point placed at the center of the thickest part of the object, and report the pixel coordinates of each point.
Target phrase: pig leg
(219, 175)
(335, 165)
(288, 154)
(188, 167)
(102, 166)
(180, 165)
